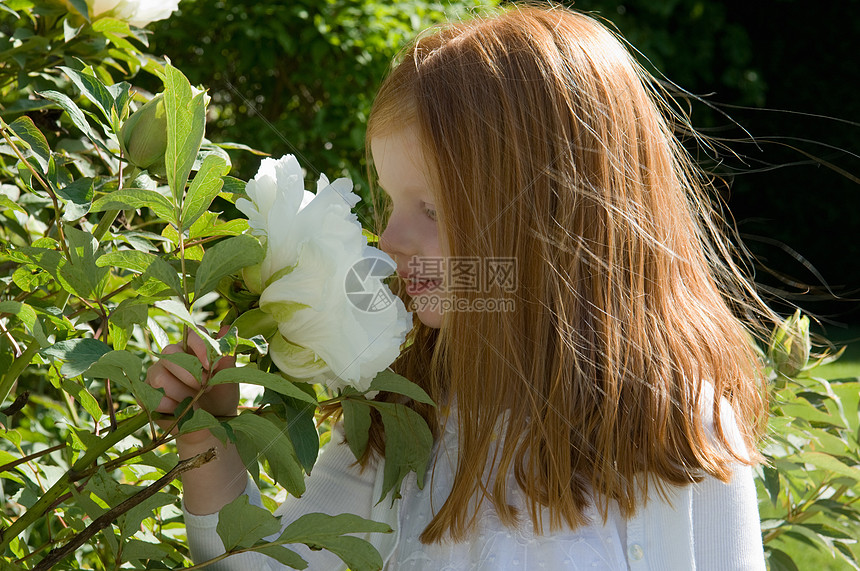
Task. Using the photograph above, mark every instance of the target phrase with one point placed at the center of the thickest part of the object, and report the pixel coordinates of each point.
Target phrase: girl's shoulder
(722, 421)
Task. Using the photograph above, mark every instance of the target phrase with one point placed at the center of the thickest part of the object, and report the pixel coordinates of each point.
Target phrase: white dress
(710, 526)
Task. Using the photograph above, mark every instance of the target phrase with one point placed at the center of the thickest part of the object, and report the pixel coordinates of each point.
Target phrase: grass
(848, 364)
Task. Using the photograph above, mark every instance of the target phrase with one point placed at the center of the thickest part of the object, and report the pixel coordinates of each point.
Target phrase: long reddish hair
(552, 146)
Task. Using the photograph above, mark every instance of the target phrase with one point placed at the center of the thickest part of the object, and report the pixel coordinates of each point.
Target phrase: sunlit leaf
(225, 258)
(27, 131)
(186, 120)
(241, 525)
(204, 188)
(254, 376)
(77, 354)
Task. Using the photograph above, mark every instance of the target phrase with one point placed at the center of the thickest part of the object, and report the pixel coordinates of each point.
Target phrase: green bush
(106, 261)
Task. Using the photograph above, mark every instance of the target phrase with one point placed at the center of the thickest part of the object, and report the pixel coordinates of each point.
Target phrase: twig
(11, 339)
(104, 520)
(38, 509)
(33, 456)
(4, 127)
(16, 406)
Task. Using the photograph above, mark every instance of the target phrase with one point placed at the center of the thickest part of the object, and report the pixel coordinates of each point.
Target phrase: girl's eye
(430, 212)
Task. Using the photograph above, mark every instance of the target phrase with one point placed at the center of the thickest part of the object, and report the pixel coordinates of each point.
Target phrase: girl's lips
(416, 287)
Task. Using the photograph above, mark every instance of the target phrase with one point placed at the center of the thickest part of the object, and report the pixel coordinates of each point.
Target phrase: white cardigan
(709, 526)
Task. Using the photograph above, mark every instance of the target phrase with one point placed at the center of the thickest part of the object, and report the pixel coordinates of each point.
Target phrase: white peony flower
(313, 241)
(138, 13)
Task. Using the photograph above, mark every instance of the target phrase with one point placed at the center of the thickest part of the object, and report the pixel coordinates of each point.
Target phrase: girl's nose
(387, 245)
(394, 239)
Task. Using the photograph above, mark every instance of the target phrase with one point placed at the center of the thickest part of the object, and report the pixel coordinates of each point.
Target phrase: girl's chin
(429, 310)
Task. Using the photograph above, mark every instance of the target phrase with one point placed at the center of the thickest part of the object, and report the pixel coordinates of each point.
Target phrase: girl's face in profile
(411, 237)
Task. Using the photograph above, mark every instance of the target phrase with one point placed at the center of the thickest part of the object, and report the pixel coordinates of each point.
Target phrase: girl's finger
(183, 375)
(179, 391)
(197, 347)
(167, 405)
(224, 363)
(159, 378)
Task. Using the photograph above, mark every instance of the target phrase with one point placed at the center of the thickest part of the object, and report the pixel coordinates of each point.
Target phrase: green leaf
(849, 395)
(242, 525)
(771, 483)
(177, 310)
(204, 188)
(356, 425)
(283, 555)
(830, 463)
(81, 7)
(254, 376)
(111, 25)
(129, 522)
(299, 417)
(186, 121)
(136, 198)
(846, 552)
(116, 364)
(125, 369)
(408, 443)
(7, 202)
(225, 258)
(75, 114)
(210, 225)
(780, 560)
(123, 319)
(80, 271)
(391, 382)
(272, 443)
(78, 197)
(82, 395)
(33, 44)
(233, 188)
(26, 130)
(24, 313)
(93, 89)
(137, 550)
(200, 420)
(188, 362)
(321, 531)
(148, 265)
(255, 322)
(801, 409)
(78, 354)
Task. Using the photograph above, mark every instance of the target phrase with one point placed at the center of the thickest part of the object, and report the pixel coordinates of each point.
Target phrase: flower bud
(255, 322)
(253, 278)
(790, 345)
(299, 363)
(143, 136)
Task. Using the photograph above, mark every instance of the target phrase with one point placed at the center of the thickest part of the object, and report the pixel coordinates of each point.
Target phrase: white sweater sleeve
(726, 524)
(727, 531)
(336, 485)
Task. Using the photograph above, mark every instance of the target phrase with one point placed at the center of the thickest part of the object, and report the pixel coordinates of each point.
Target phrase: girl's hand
(178, 384)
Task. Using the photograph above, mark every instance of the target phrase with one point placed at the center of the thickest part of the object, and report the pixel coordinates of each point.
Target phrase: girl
(576, 312)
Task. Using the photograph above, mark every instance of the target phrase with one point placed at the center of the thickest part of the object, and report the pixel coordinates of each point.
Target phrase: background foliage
(300, 76)
(112, 247)
(774, 82)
